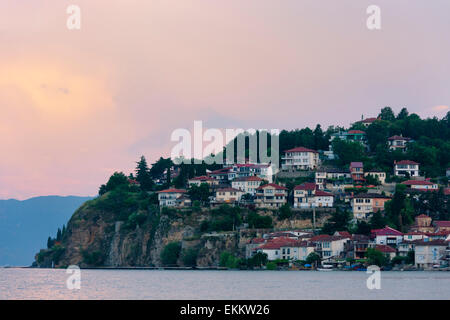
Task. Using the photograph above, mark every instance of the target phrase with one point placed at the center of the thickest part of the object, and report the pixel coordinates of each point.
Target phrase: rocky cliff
(125, 230)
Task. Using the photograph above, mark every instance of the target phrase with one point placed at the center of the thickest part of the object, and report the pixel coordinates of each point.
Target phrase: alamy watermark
(190, 145)
(374, 281)
(73, 282)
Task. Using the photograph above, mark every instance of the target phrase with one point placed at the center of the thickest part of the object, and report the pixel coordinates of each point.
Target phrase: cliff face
(104, 232)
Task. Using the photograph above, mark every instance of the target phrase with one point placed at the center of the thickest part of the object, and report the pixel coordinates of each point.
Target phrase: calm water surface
(254, 285)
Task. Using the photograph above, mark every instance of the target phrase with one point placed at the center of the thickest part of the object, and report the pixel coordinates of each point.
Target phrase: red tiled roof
(422, 216)
(417, 183)
(173, 190)
(250, 178)
(387, 231)
(430, 242)
(442, 223)
(345, 234)
(277, 187)
(301, 149)
(447, 191)
(384, 248)
(399, 138)
(355, 132)
(369, 120)
(228, 190)
(306, 186)
(326, 237)
(201, 178)
(371, 196)
(406, 162)
(320, 193)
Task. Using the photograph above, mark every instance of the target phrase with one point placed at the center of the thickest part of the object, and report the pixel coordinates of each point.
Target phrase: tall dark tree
(143, 175)
(403, 114)
(387, 114)
(58, 235)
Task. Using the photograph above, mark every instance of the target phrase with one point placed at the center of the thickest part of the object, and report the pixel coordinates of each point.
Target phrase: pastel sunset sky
(77, 105)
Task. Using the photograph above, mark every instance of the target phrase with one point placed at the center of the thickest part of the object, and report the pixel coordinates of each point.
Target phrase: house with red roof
(197, 181)
(299, 158)
(367, 122)
(406, 167)
(247, 184)
(271, 196)
(273, 247)
(398, 142)
(388, 251)
(387, 236)
(168, 197)
(422, 185)
(307, 195)
(228, 195)
(441, 226)
(422, 224)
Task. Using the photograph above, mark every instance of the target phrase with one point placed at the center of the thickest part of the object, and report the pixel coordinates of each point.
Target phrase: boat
(325, 267)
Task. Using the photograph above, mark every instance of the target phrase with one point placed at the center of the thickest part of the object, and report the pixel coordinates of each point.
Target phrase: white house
(300, 159)
(398, 142)
(420, 185)
(387, 236)
(306, 195)
(329, 246)
(168, 197)
(273, 247)
(228, 195)
(404, 167)
(270, 196)
(430, 253)
(247, 184)
(365, 203)
(298, 250)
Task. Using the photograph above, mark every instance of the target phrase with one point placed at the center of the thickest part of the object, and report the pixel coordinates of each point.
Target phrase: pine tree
(143, 175)
(49, 242)
(58, 235)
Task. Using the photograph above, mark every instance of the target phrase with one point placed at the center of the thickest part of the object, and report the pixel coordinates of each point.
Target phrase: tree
(117, 180)
(338, 221)
(387, 114)
(257, 221)
(376, 257)
(200, 193)
(143, 175)
(50, 242)
(285, 212)
(313, 259)
(259, 259)
(403, 114)
(58, 235)
(347, 151)
(189, 257)
(170, 253)
(377, 221)
(227, 260)
(399, 210)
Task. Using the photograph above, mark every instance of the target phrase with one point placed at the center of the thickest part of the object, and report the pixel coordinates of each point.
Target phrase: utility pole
(314, 220)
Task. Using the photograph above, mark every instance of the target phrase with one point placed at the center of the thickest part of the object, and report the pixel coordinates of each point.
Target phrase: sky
(77, 105)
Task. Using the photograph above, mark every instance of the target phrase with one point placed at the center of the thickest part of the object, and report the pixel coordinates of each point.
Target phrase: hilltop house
(270, 196)
(168, 197)
(351, 135)
(197, 181)
(422, 224)
(387, 236)
(430, 253)
(228, 195)
(367, 122)
(263, 171)
(357, 171)
(300, 159)
(376, 173)
(424, 185)
(406, 167)
(306, 195)
(398, 143)
(365, 203)
(247, 184)
(333, 178)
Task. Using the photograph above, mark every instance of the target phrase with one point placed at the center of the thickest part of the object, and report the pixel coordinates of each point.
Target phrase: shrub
(271, 265)
(189, 257)
(170, 253)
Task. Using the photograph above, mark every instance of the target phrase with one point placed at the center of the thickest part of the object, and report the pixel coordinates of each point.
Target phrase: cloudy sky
(76, 105)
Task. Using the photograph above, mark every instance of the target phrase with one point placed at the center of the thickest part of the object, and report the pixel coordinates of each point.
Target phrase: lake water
(227, 285)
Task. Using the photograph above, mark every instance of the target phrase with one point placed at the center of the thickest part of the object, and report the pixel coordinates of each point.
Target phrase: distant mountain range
(26, 225)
